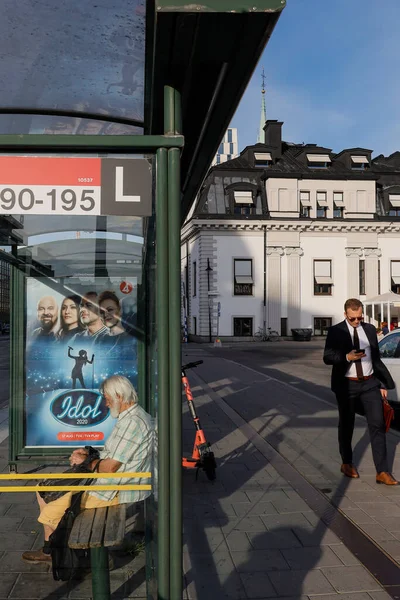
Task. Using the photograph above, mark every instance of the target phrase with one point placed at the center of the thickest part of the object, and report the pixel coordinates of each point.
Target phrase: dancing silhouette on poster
(80, 361)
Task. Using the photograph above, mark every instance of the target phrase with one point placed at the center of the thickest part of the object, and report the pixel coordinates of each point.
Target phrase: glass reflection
(86, 57)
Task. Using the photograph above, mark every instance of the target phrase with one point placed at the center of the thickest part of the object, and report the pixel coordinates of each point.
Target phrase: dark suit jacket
(339, 343)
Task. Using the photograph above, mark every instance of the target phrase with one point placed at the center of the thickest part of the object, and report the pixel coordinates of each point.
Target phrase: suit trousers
(367, 393)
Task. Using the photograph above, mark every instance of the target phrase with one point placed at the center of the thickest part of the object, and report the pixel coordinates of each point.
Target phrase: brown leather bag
(388, 414)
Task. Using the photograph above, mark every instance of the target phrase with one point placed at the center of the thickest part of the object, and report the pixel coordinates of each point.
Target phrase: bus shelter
(110, 114)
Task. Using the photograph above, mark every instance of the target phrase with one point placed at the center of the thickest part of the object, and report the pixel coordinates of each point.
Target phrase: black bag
(68, 563)
(82, 468)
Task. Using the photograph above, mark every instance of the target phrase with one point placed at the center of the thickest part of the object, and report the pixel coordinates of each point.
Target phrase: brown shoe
(36, 557)
(386, 479)
(350, 471)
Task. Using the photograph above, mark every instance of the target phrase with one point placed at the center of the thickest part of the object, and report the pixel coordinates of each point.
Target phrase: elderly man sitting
(128, 449)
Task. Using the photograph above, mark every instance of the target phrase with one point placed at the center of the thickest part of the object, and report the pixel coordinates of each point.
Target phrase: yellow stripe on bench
(12, 476)
(75, 488)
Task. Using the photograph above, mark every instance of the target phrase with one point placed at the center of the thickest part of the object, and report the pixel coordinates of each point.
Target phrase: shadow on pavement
(250, 535)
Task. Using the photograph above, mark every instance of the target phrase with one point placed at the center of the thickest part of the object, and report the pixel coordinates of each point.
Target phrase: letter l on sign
(119, 187)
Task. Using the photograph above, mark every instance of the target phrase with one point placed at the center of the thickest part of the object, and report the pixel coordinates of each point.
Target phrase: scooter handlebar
(191, 365)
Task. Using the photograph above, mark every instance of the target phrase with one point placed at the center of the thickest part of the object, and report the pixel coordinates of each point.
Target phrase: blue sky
(332, 76)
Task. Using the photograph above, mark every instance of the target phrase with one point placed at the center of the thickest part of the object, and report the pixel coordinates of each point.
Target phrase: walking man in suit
(358, 374)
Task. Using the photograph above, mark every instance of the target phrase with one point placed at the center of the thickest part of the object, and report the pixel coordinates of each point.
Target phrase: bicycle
(202, 455)
(270, 335)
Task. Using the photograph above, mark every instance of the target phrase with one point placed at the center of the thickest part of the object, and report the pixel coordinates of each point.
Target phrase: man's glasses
(352, 319)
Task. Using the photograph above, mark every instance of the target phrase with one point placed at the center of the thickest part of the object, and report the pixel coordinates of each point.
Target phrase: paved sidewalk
(250, 534)
(20, 531)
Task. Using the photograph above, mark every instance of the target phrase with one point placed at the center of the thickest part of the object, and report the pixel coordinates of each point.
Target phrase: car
(5, 330)
(389, 348)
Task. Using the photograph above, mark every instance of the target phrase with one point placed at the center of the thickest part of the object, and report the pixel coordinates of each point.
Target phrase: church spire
(263, 116)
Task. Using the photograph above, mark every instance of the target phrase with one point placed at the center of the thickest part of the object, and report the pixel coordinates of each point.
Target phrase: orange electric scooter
(202, 455)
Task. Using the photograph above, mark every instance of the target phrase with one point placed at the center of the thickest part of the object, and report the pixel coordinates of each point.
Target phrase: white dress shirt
(366, 361)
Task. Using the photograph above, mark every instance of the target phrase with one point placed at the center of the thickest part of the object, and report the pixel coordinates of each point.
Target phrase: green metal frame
(168, 210)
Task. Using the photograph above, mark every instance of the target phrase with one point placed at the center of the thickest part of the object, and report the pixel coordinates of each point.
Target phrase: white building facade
(283, 235)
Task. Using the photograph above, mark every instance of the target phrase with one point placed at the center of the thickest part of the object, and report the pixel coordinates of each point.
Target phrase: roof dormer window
(394, 201)
(243, 197)
(319, 161)
(359, 163)
(262, 159)
(243, 202)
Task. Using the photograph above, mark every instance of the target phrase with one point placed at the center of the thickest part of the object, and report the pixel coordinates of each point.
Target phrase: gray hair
(121, 386)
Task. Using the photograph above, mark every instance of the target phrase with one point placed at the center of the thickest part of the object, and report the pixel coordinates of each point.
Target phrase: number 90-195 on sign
(45, 200)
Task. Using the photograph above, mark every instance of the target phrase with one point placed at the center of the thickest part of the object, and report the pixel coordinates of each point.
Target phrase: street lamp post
(208, 270)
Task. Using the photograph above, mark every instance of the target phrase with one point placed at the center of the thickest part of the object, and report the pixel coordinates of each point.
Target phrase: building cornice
(297, 226)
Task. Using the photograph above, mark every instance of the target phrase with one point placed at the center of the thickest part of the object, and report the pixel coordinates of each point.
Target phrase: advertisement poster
(74, 341)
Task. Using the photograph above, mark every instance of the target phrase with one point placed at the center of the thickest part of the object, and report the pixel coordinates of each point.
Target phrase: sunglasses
(352, 319)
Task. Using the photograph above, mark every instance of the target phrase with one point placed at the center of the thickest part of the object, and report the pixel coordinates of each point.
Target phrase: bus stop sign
(37, 185)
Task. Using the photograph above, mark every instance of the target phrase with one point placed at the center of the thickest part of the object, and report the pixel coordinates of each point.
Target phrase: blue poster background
(57, 413)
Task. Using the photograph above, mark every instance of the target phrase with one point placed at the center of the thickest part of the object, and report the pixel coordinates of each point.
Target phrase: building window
(243, 277)
(230, 138)
(318, 161)
(305, 204)
(322, 205)
(321, 325)
(231, 149)
(359, 163)
(323, 278)
(379, 277)
(338, 205)
(218, 159)
(262, 159)
(194, 325)
(243, 203)
(243, 326)
(194, 277)
(395, 276)
(337, 212)
(361, 277)
(304, 212)
(394, 200)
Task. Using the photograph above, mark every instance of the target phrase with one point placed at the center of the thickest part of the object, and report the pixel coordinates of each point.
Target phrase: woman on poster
(80, 361)
(69, 318)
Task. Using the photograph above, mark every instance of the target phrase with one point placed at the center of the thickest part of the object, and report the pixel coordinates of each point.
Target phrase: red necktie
(359, 369)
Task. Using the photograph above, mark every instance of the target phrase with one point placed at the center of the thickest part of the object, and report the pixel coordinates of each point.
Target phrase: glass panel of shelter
(82, 279)
(77, 57)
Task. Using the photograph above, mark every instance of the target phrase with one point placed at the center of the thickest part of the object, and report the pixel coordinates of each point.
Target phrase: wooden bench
(99, 529)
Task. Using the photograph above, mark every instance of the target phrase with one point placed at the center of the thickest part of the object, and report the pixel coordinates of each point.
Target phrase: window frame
(235, 288)
(318, 287)
(243, 318)
(395, 287)
(321, 327)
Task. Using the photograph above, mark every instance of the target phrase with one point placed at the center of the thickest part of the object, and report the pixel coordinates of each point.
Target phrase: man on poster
(128, 449)
(89, 314)
(47, 315)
